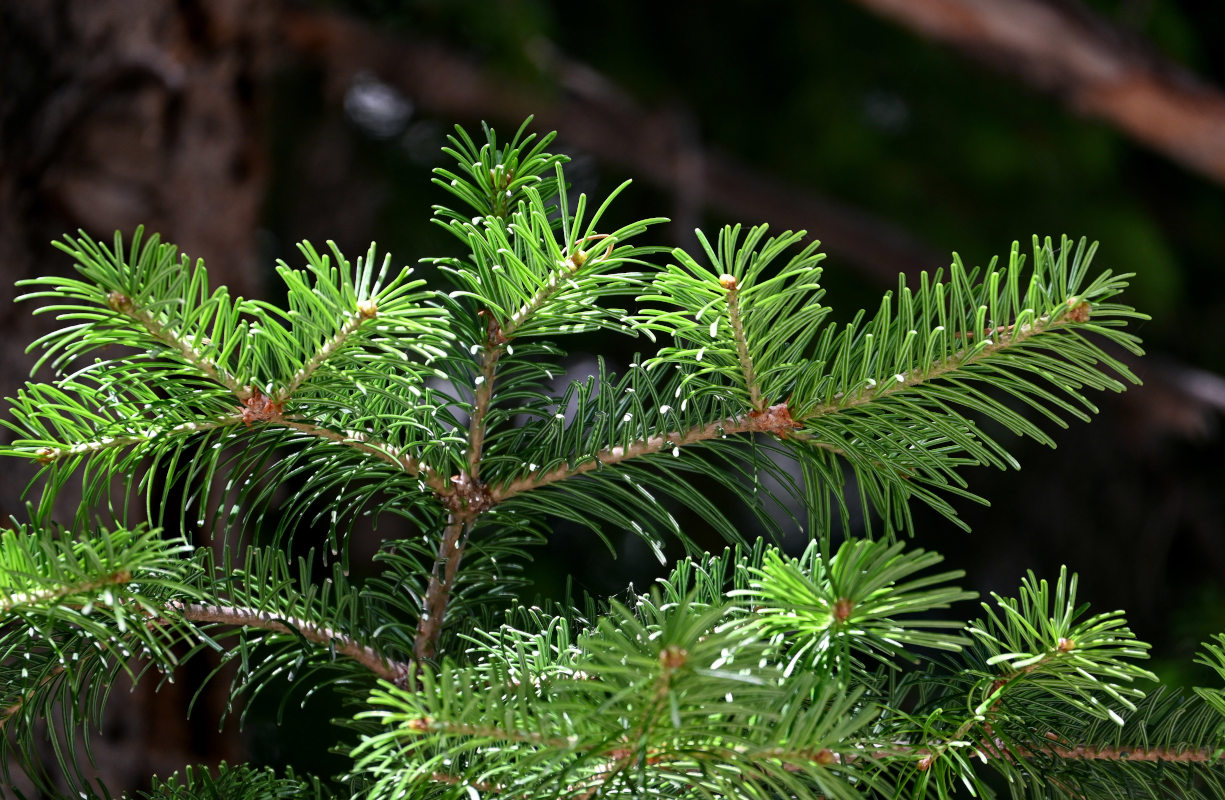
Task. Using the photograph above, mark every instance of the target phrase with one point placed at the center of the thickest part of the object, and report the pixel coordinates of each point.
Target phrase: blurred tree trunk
(1095, 67)
(115, 113)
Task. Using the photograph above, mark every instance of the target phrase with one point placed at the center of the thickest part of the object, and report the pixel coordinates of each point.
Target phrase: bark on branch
(1095, 67)
(368, 657)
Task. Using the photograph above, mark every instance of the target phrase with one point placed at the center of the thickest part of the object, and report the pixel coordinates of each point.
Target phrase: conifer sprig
(845, 672)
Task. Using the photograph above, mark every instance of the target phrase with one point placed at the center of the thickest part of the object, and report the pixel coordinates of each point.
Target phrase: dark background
(238, 128)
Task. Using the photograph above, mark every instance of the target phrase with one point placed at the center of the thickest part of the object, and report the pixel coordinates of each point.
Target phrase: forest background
(894, 132)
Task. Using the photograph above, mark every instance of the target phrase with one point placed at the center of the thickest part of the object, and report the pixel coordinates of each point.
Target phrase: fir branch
(1084, 752)
(730, 284)
(495, 341)
(1005, 337)
(442, 582)
(49, 455)
(774, 420)
(568, 266)
(381, 450)
(15, 708)
(366, 310)
(697, 689)
(35, 599)
(122, 304)
(467, 498)
(387, 669)
(925, 754)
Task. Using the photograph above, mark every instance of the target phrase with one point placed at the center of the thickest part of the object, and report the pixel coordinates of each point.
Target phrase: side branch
(43, 599)
(1085, 752)
(13, 709)
(47, 455)
(366, 444)
(994, 341)
(393, 671)
(925, 754)
(775, 420)
(123, 304)
(568, 266)
(365, 310)
(728, 282)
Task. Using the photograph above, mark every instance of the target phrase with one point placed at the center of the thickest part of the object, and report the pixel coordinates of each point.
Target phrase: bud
(1078, 312)
(727, 281)
(843, 607)
(673, 657)
(118, 301)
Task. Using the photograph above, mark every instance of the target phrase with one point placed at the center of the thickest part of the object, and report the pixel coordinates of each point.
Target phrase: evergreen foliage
(846, 671)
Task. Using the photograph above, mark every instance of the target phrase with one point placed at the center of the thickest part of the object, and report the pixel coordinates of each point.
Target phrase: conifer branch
(1122, 753)
(791, 760)
(1005, 336)
(17, 599)
(442, 582)
(394, 671)
(774, 420)
(13, 709)
(925, 754)
(777, 419)
(568, 266)
(495, 341)
(366, 310)
(692, 688)
(729, 283)
(48, 455)
(124, 305)
(381, 450)
(467, 497)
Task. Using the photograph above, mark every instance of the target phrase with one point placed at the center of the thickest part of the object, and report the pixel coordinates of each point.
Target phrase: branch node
(775, 419)
(1078, 311)
(259, 407)
(118, 301)
(469, 498)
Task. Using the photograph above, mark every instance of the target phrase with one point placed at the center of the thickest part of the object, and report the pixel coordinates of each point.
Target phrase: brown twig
(775, 420)
(122, 304)
(387, 669)
(482, 393)
(442, 582)
(381, 450)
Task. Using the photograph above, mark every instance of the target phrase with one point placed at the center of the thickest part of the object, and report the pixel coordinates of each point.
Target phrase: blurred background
(895, 131)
